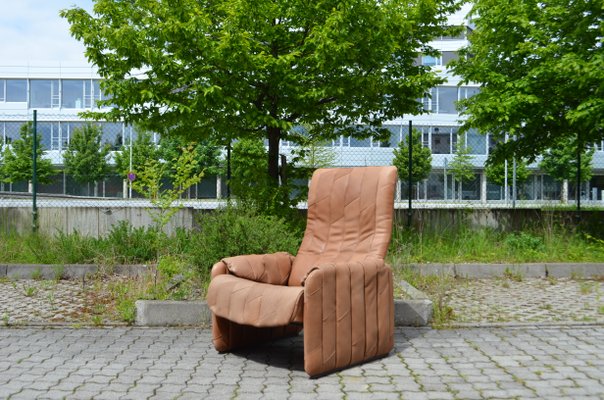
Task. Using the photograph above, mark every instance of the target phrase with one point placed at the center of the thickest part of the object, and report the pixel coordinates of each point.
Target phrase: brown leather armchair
(338, 288)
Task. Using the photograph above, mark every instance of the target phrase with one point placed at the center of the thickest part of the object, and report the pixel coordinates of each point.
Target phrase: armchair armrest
(348, 315)
(265, 268)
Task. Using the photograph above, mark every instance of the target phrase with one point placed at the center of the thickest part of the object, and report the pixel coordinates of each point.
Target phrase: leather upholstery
(266, 268)
(337, 286)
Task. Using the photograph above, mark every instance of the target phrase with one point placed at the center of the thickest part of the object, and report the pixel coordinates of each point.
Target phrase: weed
(30, 291)
(5, 319)
(587, 287)
(436, 287)
(36, 275)
(127, 309)
(552, 280)
(515, 276)
(58, 272)
(97, 320)
(601, 310)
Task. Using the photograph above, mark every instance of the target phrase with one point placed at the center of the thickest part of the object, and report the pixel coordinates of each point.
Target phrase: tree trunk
(274, 136)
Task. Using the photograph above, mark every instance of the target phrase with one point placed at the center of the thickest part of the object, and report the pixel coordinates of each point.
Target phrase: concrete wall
(88, 221)
(97, 221)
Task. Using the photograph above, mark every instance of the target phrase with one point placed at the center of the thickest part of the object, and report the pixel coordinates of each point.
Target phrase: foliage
(127, 244)
(467, 245)
(18, 160)
(421, 159)
(248, 166)
(143, 149)
(313, 152)
(85, 159)
(560, 161)
(242, 68)
(207, 155)
(495, 171)
(183, 172)
(252, 187)
(236, 230)
(540, 66)
(461, 166)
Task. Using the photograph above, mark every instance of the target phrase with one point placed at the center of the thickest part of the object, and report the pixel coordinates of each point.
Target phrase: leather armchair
(337, 288)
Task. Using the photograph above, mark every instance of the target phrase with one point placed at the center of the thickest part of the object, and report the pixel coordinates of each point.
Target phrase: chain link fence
(440, 189)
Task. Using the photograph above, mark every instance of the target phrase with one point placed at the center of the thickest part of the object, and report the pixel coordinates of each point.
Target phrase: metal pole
(579, 149)
(228, 185)
(34, 175)
(514, 188)
(446, 180)
(410, 184)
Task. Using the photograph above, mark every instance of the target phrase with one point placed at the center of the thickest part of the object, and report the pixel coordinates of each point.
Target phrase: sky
(33, 33)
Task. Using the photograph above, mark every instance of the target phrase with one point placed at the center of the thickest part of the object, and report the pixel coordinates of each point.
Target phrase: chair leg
(228, 335)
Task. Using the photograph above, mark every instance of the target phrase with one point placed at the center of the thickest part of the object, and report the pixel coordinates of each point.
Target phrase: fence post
(410, 182)
(34, 175)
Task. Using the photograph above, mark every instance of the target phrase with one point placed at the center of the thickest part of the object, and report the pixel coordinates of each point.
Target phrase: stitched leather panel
(348, 315)
(252, 303)
(349, 218)
(265, 268)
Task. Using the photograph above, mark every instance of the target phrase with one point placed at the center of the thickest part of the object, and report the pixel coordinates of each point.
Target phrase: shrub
(524, 241)
(131, 245)
(234, 231)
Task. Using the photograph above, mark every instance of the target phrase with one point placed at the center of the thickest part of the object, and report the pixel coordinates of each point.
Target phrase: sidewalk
(514, 339)
(169, 363)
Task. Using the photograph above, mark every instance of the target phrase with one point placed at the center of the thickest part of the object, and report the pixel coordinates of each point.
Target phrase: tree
(143, 149)
(255, 69)
(495, 172)
(540, 65)
(461, 166)
(18, 160)
(560, 161)
(421, 162)
(85, 158)
(248, 164)
(208, 155)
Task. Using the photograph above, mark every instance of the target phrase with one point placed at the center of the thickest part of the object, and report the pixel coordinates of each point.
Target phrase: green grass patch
(466, 245)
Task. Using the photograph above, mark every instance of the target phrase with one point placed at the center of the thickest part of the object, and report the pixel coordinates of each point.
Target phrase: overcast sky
(31, 32)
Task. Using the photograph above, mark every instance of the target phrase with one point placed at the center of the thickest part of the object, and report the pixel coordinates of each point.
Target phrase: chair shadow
(288, 353)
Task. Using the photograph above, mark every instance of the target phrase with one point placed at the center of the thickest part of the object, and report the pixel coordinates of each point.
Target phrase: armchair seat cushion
(253, 303)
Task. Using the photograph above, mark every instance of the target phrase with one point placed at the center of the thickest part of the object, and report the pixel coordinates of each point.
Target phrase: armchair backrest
(349, 217)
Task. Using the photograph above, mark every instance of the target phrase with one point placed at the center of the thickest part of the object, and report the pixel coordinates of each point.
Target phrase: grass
(485, 245)
(436, 287)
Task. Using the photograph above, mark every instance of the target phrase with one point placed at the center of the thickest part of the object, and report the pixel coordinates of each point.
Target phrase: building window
(431, 61)
(448, 56)
(74, 93)
(476, 142)
(16, 90)
(441, 140)
(447, 98)
(44, 93)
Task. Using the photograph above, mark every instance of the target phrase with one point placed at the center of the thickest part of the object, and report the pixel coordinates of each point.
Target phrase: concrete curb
(528, 270)
(185, 313)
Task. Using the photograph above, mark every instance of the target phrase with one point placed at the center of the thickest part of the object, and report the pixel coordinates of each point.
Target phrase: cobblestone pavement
(56, 302)
(168, 363)
(527, 300)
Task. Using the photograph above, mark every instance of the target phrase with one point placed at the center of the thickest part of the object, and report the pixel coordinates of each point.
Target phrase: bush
(127, 245)
(234, 231)
(523, 241)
